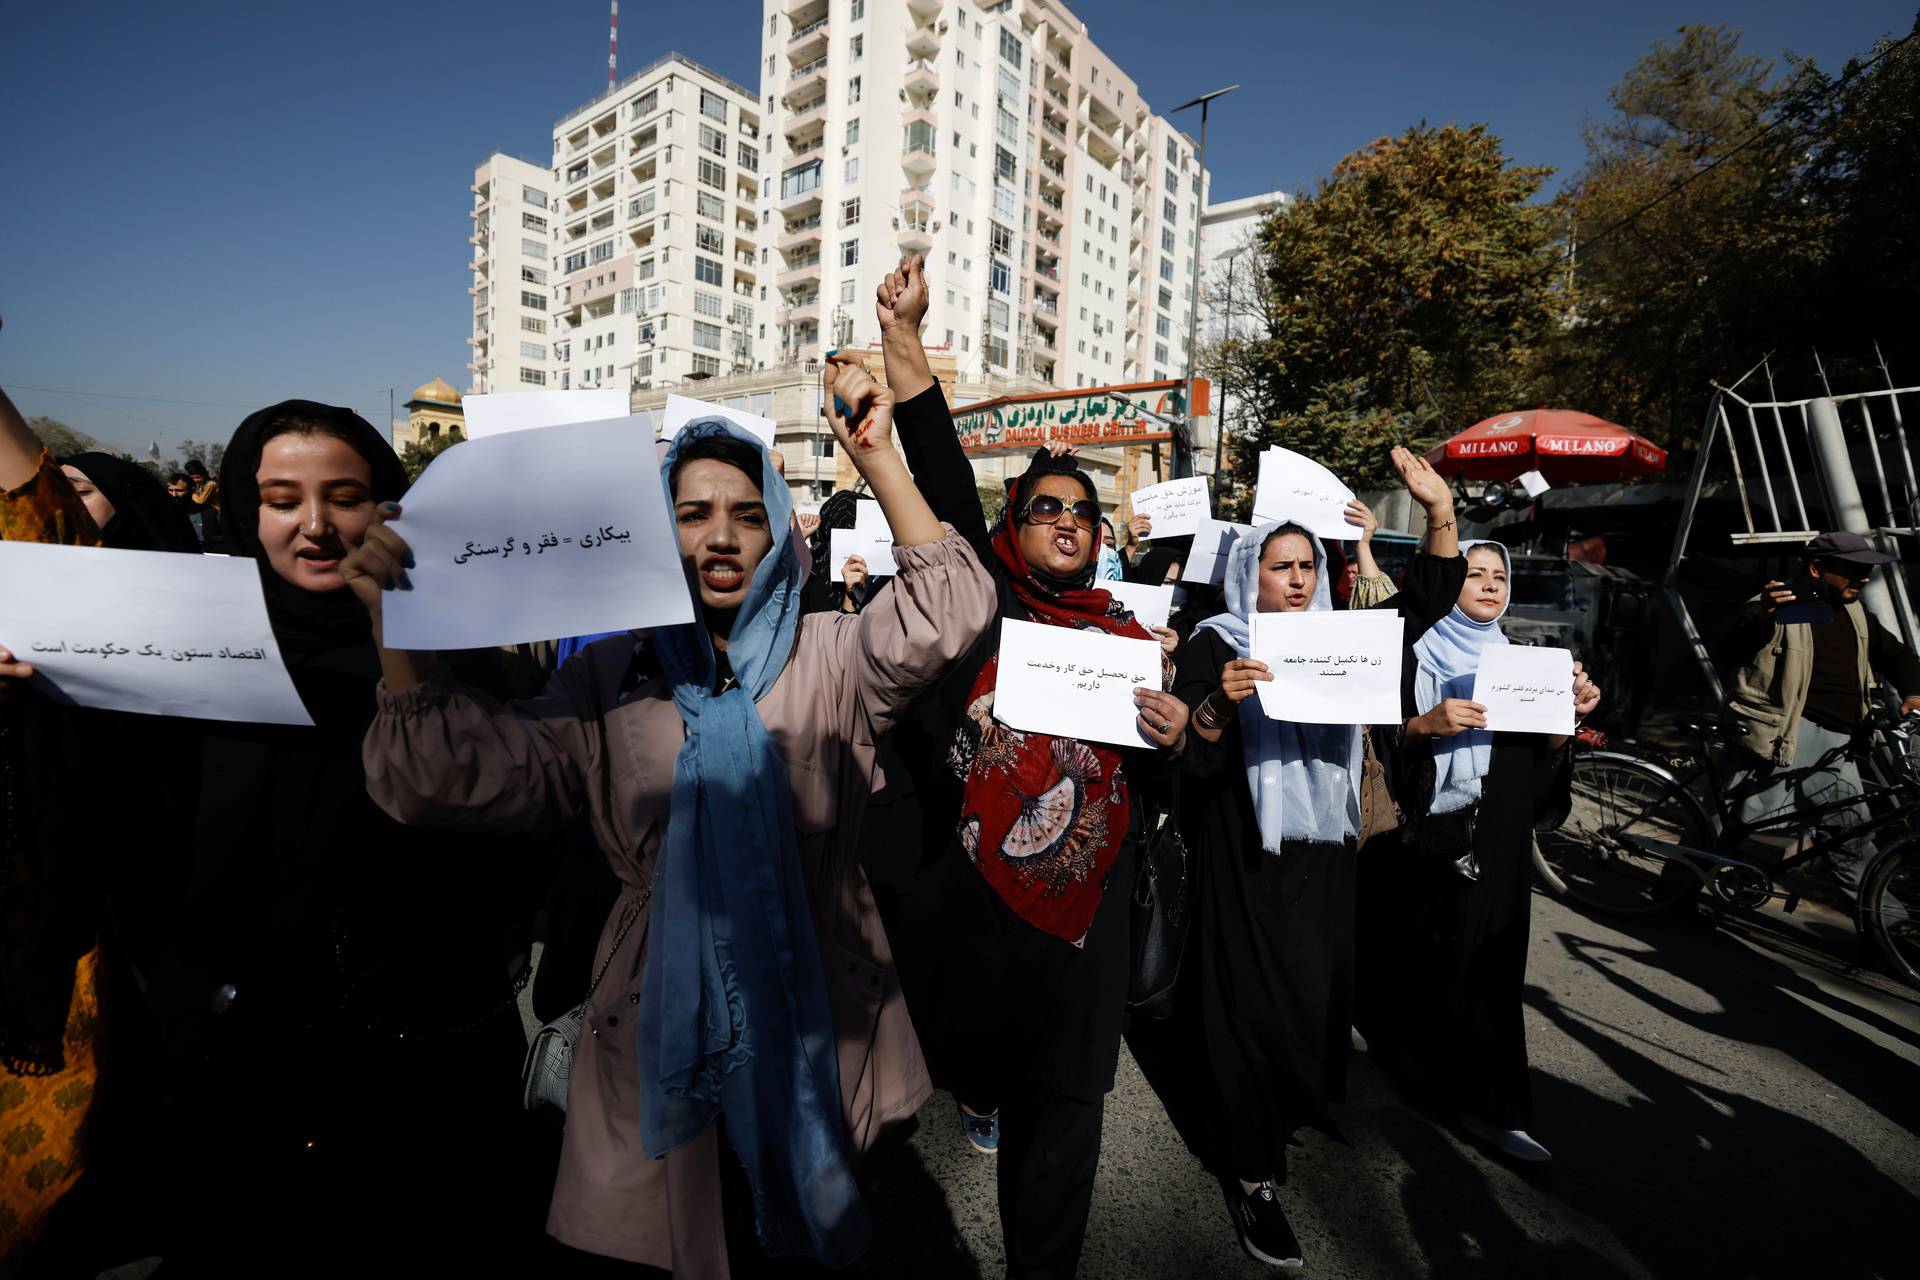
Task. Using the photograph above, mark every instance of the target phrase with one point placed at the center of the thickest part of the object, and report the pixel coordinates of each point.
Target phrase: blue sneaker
(982, 1131)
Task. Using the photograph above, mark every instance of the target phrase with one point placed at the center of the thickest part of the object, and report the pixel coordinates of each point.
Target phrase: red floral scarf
(1042, 817)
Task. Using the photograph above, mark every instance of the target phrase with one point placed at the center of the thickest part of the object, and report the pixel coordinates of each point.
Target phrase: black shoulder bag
(1162, 909)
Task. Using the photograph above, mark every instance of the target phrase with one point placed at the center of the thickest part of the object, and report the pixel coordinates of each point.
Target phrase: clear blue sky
(241, 202)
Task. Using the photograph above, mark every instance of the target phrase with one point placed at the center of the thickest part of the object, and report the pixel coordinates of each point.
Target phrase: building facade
(656, 231)
(433, 410)
(1058, 215)
(512, 334)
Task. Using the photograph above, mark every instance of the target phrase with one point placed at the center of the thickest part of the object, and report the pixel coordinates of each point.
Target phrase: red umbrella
(1565, 446)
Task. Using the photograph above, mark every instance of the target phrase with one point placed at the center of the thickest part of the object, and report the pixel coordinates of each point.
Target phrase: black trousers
(1049, 1150)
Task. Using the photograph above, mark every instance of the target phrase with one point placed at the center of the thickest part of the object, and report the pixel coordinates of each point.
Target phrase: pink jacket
(447, 755)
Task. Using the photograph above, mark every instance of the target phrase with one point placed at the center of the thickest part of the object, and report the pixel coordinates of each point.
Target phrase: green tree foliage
(1727, 210)
(1400, 302)
(209, 454)
(60, 439)
(415, 457)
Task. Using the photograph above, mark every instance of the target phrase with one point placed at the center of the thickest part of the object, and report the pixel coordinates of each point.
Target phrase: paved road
(1721, 1101)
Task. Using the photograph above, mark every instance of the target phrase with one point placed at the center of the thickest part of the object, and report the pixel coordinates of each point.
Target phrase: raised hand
(380, 562)
(901, 300)
(849, 383)
(1428, 487)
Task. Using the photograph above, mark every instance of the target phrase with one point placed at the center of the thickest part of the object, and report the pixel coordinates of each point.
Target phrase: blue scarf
(1449, 655)
(1305, 778)
(734, 996)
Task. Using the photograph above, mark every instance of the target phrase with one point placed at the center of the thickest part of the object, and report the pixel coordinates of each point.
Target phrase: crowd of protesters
(790, 871)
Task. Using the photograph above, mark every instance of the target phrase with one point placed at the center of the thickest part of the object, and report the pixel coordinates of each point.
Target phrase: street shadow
(1698, 1177)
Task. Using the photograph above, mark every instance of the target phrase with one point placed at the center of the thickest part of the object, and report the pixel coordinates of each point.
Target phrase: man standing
(180, 490)
(1805, 654)
(206, 501)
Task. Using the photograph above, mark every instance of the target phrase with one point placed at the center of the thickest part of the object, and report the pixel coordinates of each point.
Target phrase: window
(533, 324)
(922, 137)
(643, 269)
(1003, 163)
(641, 205)
(1166, 299)
(1168, 211)
(1163, 327)
(1196, 182)
(1000, 239)
(713, 174)
(706, 270)
(1006, 124)
(532, 275)
(998, 313)
(709, 206)
(996, 351)
(852, 169)
(577, 172)
(1173, 180)
(850, 212)
(1166, 239)
(707, 304)
(857, 46)
(713, 106)
(538, 377)
(853, 132)
(847, 288)
(643, 366)
(853, 90)
(709, 239)
(533, 301)
(707, 365)
(1010, 50)
(532, 351)
(1173, 151)
(712, 141)
(534, 197)
(629, 300)
(1005, 202)
(645, 104)
(532, 222)
(748, 158)
(743, 315)
(533, 248)
(1160, 352)
(849, 253)
(999, 276)
(600, 252)
(1009, 88)
(799, 181)
(576, 261)
(859, 11)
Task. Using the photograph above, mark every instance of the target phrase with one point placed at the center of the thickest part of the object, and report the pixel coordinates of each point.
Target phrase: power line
(108, 395)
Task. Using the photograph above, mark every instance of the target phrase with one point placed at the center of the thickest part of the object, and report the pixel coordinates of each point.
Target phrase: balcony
(918, 156)
(806, 119)
(923, 42)
(808, 42)
(922, 78)
(923, 8)
(806, 81)
(800, 271)
(800, 232)
(1100, 144)
(803, 311)
(801, 12)
(915, 237)
(1054, 203)
(800, 202)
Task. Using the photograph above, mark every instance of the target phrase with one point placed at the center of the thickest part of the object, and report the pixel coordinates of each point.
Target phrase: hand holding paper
(1526, 689)
(1073, 684)
(1294, 487)
(1330, 668)
(1176, 507)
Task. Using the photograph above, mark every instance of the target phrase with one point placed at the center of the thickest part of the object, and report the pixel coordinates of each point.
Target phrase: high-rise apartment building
(656, 235)
(512, 336)
(1059, 216)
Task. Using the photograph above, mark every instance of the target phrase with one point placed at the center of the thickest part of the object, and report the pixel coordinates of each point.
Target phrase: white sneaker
(1514, 1143)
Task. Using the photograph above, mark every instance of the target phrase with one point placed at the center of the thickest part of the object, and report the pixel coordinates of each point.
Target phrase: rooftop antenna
(613, 43)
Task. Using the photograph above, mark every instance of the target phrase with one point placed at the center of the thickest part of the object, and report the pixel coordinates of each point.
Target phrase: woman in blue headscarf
(1440, 982)
(724, 765)
(1256, 1046)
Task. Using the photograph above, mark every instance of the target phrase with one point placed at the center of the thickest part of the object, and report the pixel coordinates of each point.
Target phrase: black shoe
(1265, 1233)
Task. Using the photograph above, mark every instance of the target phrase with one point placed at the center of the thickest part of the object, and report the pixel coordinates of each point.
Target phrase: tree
(416, 456)
(61, 440)
(1400, 302)
(208, 455)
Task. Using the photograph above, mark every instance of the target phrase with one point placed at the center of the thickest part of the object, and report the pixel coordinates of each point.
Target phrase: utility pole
(1183, 440)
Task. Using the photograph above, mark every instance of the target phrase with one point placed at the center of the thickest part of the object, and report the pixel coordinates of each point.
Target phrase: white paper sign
(875, 546)
(684, 409)
(1534, 483)
(1330, 667)
(1152, 604)
(869, 518)
(146, 631)
(535, 536)
(1295, 487)
(1207, 562)
(1525, 689)
(491, 415)
(1073, 683)
(1176, 507)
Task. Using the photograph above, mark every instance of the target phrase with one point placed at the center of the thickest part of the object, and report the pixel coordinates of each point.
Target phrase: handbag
(1379, 811)
(547, 1073)
(1162, 910)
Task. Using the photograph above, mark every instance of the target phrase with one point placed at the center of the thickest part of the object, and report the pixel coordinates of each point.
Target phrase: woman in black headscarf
(342, 987)
(822, 594)
(139, 514)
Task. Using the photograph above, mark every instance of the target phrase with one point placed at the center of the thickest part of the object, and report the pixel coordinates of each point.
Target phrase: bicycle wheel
(1613, 852)
(1889, 901)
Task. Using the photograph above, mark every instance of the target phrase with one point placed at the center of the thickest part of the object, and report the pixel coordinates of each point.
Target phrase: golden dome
(437, 391)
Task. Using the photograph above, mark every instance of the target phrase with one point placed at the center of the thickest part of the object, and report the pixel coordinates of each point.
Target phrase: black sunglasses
(1047, 509)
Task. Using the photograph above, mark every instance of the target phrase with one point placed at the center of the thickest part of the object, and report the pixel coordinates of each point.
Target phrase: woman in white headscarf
(1440, 986)
(1256, 1046)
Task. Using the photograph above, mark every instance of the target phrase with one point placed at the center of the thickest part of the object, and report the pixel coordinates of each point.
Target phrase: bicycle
(1641, 839)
